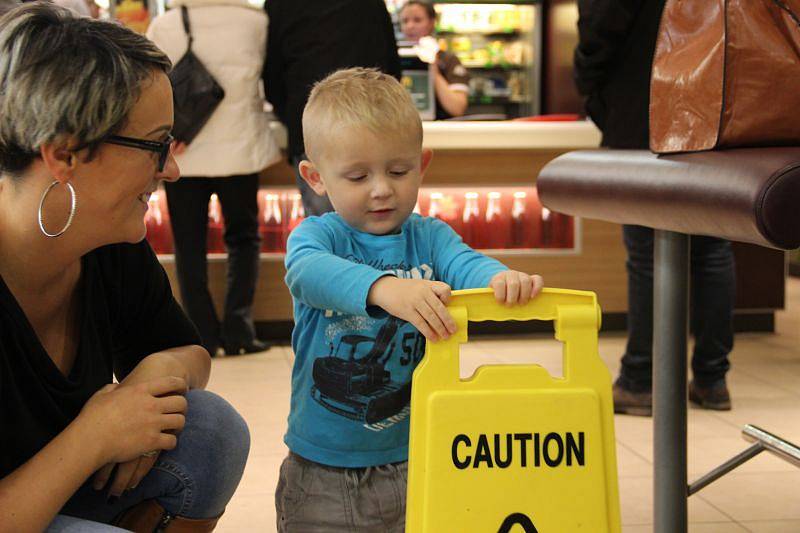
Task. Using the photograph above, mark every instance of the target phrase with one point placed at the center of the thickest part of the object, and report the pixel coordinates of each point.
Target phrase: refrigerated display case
(499, 44)
(504, 220)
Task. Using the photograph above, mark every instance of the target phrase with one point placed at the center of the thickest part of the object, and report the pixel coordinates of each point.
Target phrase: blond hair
(358, 97)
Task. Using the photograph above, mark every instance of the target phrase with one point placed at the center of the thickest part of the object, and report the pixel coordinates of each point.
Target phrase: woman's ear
(59, 160)
(312, 176)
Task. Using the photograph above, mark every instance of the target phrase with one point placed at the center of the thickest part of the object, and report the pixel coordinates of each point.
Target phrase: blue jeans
(713, 286)
(195, 480)
(314, 204)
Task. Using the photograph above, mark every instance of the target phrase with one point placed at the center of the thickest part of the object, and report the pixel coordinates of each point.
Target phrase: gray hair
(7, 5)
(64, 77)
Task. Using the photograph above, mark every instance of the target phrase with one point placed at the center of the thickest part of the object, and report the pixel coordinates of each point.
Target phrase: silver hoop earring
(73, 205)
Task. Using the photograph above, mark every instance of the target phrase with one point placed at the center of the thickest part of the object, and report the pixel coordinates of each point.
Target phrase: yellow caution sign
(513, 448)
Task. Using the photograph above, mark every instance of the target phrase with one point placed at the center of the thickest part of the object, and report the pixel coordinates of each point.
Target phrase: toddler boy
(370, 283)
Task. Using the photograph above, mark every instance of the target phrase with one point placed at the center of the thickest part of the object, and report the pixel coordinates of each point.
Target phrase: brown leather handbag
(726, 73)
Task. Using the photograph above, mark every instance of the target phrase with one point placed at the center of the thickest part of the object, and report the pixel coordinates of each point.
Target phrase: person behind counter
(85, 120)
(451, 84)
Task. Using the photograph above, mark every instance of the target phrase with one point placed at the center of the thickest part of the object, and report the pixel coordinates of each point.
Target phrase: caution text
(519, 450)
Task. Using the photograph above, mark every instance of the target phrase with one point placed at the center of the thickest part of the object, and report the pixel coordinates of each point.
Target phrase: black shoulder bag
(195, 92)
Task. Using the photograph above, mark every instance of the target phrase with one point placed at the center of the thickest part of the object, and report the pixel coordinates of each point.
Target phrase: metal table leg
(670, 333)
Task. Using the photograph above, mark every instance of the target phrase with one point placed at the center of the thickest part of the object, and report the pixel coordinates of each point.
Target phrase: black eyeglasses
(160, 147)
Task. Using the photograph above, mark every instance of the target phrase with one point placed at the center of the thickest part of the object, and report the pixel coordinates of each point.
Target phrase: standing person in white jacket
(235, 144)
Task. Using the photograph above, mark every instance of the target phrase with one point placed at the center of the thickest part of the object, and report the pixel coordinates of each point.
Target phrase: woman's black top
(127, 312)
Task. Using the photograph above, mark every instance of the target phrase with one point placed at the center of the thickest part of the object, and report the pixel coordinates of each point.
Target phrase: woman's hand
(181, 363)
(117, 424)
(128, 474)
(128, 421)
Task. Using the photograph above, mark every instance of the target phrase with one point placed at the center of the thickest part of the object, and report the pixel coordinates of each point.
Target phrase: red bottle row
(499, 219)
(159, 229)
(486, 219)
(278, 214)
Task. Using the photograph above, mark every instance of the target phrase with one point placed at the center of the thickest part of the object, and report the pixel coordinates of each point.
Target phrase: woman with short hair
(85, 119)
(451, 82)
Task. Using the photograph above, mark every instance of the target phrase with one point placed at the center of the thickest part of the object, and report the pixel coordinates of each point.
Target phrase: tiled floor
(761, 496)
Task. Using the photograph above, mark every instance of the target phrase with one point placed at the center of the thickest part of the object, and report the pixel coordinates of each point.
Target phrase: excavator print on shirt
(361, 388)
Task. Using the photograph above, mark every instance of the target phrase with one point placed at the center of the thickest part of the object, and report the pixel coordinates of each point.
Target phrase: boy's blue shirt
(351, 379)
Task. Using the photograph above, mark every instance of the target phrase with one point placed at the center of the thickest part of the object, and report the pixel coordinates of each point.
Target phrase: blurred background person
(94, 9)
(309, 39)
(451, 82)
(79, 7)
(230, 39)
(613, 62)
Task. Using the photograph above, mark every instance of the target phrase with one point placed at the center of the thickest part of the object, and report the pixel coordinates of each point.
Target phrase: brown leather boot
(716, 398)
(627, 402)
(150, 517)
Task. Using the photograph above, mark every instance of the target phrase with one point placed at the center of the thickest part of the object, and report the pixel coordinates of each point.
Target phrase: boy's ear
(427, 157)
(59, 160)
(312, 177)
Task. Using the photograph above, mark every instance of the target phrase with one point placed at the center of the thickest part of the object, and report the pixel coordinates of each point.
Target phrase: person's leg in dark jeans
(712, 286)
(636, 374)
(713, 298)
(187, 200)
(238, 196)
(314, 204)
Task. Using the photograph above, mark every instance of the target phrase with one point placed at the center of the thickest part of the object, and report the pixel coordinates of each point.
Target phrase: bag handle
(186, 26)
(782, 5)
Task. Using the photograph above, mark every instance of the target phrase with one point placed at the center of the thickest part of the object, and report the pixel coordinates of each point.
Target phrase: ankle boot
(150, 517)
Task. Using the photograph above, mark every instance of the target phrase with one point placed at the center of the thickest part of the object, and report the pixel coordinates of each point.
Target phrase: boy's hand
(512, 287)
(418, 301)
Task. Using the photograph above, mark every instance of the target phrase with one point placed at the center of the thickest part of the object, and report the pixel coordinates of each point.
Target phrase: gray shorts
(315, 498)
